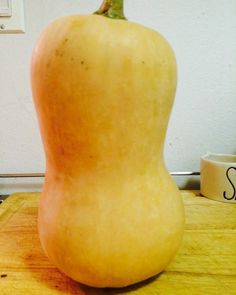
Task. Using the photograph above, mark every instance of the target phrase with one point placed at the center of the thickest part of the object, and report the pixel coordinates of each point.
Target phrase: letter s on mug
(232, 184)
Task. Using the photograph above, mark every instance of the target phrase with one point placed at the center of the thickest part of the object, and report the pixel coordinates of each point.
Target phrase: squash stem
(112, 9)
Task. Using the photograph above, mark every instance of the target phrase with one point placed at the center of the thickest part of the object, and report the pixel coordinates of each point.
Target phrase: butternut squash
(110, 214)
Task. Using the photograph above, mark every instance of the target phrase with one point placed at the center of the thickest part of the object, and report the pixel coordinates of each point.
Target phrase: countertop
(205, 263)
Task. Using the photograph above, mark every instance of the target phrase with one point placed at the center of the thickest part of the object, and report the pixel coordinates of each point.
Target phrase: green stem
(112, 9)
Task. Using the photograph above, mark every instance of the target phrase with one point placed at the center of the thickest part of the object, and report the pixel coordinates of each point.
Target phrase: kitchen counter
(205, 263)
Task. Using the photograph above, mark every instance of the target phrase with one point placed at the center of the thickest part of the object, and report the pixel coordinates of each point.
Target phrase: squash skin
(110, 215)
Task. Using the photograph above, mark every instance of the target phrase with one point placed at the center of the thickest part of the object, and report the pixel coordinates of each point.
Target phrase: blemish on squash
(82, 62)
(4, 275)
(59, 53)
(65, 41)
(63, 152)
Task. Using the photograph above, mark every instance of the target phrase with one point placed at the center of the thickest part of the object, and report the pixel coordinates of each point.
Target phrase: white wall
(203, 36)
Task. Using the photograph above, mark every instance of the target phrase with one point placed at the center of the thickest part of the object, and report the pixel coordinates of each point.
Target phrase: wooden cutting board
(204, 265)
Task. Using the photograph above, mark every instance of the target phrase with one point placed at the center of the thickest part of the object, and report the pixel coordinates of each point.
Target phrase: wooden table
(205, 264)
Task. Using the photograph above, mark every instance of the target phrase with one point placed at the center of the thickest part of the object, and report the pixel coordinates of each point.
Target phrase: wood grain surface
(204, 265)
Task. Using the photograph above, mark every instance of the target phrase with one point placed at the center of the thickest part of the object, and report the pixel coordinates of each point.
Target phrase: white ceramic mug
(218, 177)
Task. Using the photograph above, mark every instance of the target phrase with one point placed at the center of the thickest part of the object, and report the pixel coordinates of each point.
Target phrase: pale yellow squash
(110, 214)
